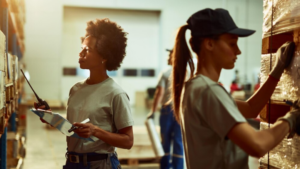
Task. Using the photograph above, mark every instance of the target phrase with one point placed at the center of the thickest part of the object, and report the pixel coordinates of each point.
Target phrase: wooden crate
(142, 151)
(271, 44)
(277, 109)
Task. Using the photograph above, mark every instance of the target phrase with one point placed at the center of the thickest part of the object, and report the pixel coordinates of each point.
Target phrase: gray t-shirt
(107, 106)
(209, 113)
(164, 82)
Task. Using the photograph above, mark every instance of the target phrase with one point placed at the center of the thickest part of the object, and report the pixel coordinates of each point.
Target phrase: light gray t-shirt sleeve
(161, 81)
(219, 110)
(121, 111)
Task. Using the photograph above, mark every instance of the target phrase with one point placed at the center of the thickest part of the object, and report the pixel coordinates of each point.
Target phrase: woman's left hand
(85, 130)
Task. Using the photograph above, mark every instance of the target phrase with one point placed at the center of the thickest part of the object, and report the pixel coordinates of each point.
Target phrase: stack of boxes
(11, 44)
(17, 14)
(2, 82)
(281, 24)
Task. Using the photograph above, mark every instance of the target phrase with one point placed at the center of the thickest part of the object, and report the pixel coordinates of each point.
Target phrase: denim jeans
(170, 132)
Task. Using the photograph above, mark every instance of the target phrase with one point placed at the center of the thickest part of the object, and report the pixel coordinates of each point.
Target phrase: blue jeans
(113, 163)
(170, 132)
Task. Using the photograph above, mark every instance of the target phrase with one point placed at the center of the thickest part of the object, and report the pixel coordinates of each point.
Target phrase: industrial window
(148, 72)
(69, 71)
(130, 72)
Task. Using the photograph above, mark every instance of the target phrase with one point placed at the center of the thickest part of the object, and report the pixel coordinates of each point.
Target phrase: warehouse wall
(142, 45)
(46, 49)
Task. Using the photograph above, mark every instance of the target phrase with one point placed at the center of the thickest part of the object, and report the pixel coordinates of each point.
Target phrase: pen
(75, 127)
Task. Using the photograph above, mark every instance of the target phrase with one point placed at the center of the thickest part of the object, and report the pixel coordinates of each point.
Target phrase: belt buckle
(74, 158)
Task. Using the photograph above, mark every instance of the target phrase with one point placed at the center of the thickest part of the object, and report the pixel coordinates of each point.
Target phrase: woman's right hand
(293, 118)
(150, 115)
(284, 56)
(40, 107)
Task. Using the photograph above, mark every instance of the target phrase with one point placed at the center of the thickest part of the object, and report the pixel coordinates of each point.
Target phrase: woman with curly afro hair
(101, 100)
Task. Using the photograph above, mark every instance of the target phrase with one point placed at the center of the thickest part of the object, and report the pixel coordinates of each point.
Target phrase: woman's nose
(81, 54)
(238, 51)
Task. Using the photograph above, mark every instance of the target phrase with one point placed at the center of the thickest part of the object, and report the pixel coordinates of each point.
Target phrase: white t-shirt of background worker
(107, 106)
(164, 82)
(209, 113)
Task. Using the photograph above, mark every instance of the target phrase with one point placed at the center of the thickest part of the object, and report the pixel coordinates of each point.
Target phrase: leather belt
(73, 158)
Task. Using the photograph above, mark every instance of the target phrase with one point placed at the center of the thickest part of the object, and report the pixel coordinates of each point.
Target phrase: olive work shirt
(209, 112)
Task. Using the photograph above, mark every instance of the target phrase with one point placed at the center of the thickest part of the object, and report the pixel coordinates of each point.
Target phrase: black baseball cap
(209, 22)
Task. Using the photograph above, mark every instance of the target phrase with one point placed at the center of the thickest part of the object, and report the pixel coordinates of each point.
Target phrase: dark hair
(111, 41)
(181, 57)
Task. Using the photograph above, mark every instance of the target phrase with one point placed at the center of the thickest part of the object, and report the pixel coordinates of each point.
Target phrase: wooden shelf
(9, 84)
(16, 20)
(14, 28)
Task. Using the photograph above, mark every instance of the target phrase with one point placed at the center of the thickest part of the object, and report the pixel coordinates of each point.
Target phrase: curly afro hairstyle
(111, 41)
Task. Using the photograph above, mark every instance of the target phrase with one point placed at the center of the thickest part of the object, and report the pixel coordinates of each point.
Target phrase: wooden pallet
(142, 151)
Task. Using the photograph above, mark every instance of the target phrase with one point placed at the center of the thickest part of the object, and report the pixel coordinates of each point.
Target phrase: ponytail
(181, 57)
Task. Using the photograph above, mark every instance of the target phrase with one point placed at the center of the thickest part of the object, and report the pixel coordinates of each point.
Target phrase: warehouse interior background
(53, 31)
(52, 44)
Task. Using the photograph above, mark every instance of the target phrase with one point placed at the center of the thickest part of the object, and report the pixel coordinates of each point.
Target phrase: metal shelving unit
(10, 24)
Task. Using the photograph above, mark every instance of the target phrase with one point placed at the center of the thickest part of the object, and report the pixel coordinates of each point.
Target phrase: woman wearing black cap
(215, 131)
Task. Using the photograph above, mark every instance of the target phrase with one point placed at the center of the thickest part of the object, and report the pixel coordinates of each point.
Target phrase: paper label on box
(2, 100)
(2, 82)
(2, 60)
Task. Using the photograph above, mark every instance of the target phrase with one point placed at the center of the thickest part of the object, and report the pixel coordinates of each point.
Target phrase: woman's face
(89, 58)
(226, 50)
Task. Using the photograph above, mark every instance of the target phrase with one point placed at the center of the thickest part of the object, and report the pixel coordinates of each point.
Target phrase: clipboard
(59, 122)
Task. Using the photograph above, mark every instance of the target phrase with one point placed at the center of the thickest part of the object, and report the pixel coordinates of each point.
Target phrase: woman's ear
(208, 44)
(103, 61)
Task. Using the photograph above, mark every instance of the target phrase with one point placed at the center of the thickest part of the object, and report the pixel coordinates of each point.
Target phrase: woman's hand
(40, 107)
(85, 130)
(284, 56)
(150, 115)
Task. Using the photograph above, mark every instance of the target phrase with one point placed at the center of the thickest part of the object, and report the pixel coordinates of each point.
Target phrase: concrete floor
(46, 148)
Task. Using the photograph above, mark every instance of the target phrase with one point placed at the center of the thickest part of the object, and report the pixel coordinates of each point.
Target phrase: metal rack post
(4, 28)
(3, 150)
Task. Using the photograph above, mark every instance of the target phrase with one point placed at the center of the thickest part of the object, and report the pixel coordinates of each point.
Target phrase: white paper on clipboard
(59, 122)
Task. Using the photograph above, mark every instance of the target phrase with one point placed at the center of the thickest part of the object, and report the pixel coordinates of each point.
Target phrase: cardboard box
(22, 115)
(12, 144)
(13, 6)
(2, 120)
(7, 95)
(2, 100)
(283, 14)
(2, 81)
(9, 69)
(14, 163)
(2, 50)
